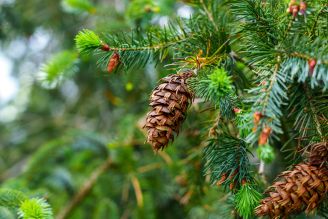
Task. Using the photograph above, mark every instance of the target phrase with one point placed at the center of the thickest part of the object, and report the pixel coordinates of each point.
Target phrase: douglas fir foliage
(265, 71)
(36, 208)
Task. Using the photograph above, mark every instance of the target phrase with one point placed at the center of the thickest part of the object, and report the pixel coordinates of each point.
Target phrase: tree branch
(209, 15)
(84, 190)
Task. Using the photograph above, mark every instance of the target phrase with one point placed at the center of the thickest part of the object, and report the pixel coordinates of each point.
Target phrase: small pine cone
(300, 189)
(318, 154)
(169, 102)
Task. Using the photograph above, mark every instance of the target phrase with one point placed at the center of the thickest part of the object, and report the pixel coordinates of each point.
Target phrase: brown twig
(137, 191)
(84, 190)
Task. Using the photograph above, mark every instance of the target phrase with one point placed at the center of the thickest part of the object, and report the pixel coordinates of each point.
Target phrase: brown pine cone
(300, 189)
(169, 102)
(318, 154)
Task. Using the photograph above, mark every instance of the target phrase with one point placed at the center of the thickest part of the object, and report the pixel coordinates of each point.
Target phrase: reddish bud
(294, 9)
(105, 47)
(263, 139)
(257, 117)
(312, 63)
(113, 62)
(243, 182)
(303, 7)
(222, 180)
(236, 110)
(232, 185)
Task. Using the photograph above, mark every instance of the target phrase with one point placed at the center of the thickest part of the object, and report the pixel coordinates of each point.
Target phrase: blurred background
(72, 133)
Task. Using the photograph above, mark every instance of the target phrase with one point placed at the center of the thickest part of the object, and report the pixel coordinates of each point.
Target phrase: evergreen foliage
(214, 86)
(259, 89)
(87, 41)
(227, 160)
(11, 198)
(35, 208)
(61, 65)
(246, 200)
(26, 208)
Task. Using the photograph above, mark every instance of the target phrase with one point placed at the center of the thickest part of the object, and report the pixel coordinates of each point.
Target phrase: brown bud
(105, 47)
(232, 185)
(263, 139)
(257, 117)
(113, 62)
(221, 181)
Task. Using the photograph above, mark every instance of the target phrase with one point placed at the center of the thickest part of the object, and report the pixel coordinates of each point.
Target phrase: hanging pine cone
(169, 102)
(301, 189)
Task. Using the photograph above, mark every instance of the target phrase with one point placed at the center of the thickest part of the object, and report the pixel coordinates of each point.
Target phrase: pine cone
(169, 102)
(318, 154)
(301, 189)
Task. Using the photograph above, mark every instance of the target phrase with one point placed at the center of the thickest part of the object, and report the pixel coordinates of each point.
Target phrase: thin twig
(153, 47)
(84, 190)
(137, 191)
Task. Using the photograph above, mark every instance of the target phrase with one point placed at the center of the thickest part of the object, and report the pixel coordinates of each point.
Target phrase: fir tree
(243, 82)
(252, 59)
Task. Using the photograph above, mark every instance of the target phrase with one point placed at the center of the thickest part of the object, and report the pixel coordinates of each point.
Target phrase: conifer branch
(246, 199)
(35, 208)
(304, 56)
(84, 190)
(209, 14)
(150, 47)
(316, 20)
(268, 99)
(310, 114)
(314, 113)
(268, 91)
(11, 198)
(226, 160)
